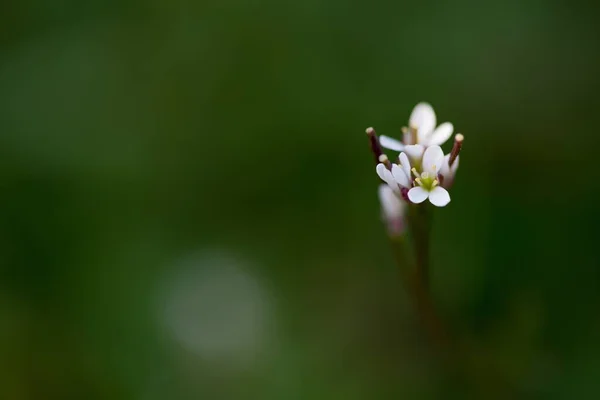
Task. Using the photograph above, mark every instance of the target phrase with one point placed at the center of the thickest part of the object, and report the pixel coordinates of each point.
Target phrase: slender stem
(416, 274)
(455, 356)
(403, 261)
(420, 224)
(427, 312)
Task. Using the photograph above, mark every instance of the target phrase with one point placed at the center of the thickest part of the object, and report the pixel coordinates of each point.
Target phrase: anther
(458, 140)
(414, 171)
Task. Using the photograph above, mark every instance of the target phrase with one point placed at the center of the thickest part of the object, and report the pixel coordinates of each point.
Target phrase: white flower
(423, 122)
(396, 176)
(427, 185)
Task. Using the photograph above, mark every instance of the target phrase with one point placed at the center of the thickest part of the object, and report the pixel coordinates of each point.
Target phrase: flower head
(421, 130)
(427, 184)
(421, 174)
(421, 171)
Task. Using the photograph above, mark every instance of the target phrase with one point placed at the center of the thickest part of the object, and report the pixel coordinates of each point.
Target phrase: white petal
(447, 171)
(433, 159)
(415, 152)
(387, 176)
(400, 176)
(423, 118)
(380, 168)
(405, 163)
(438, 196)
(391, 205)
(390, 143)
(441, 134)
(417, 195)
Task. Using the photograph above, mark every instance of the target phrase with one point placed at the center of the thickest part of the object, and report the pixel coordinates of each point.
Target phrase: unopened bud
(374, 144)
(385, 161)
(458, 141)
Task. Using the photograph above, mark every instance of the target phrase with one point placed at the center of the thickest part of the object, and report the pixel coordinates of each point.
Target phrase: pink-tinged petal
(391, 143)
(446, 171)
(441, 134)
(400, 176)
(391, 205)
(417, 195)
(439, 196)
(405, 163)
(433, 159)
(423, 118)
(415, 153)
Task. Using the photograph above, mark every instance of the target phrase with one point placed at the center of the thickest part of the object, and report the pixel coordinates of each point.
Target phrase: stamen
(412, 134)
(374, 144)
(458, 140)
(414, 171)
(385, 161)
(435, 183)
(419, 182)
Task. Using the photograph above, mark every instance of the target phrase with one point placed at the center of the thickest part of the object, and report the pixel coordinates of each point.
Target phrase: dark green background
(137, 134)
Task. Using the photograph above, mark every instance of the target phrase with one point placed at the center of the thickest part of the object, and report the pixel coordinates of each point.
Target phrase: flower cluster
(421, 171)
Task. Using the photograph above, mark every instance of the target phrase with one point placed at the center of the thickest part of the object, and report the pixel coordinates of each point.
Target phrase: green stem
(414, 271)
(416, 274)
(419, 217)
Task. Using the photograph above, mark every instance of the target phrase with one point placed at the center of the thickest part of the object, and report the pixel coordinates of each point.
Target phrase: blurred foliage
(136, 133)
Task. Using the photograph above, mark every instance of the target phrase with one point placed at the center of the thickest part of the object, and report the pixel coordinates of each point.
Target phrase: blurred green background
(188, 204)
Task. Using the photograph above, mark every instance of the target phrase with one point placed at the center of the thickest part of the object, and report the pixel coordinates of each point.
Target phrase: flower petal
(391, 143)
(438, 196)
(415, 153)
(441, 134)
(433, 159)
(391, 205)
(417, 194)
(447, 171)
(400, 176)
(380, 168)
(423, 118)
(387, 177)
(405, 163)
